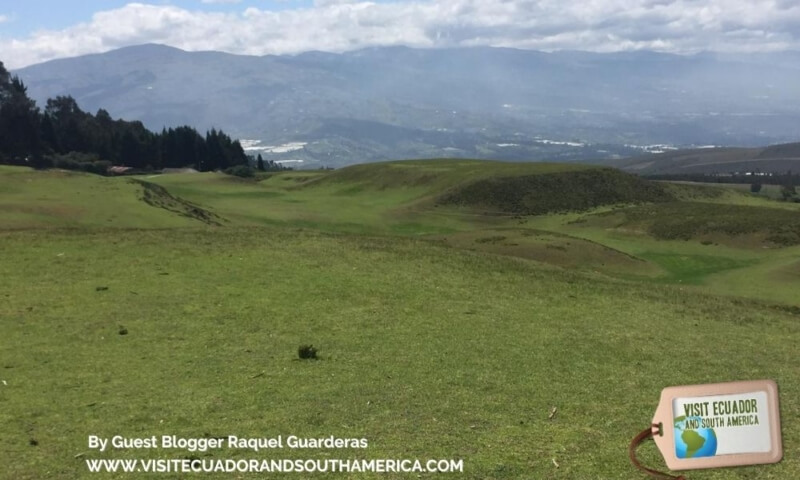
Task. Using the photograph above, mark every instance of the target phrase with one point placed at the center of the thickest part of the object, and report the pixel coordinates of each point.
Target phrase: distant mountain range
(395, 102)
(776, 158)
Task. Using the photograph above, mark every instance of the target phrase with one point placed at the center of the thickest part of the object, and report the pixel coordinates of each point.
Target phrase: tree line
(62, 135)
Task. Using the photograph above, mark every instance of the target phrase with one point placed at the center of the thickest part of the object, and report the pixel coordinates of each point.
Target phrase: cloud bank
(676, 26)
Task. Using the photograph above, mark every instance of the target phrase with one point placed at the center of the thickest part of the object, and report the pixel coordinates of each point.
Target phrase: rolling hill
(175, 304)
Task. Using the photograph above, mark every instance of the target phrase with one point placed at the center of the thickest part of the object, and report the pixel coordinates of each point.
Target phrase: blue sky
(33, 31)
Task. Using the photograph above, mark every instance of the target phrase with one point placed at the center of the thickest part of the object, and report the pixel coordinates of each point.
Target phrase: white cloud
(682, 26)
(3, 18)
(220, 1)
(326, 3)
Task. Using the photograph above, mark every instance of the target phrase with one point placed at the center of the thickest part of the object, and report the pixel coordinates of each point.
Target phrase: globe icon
(692, 441)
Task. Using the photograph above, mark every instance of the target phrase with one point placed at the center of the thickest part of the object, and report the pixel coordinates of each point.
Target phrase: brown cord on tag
(654, 429)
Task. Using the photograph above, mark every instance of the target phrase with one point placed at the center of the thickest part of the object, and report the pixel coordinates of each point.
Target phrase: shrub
(84, 162)
(241, 171)
(40, 162)
(492, 239)
(99, 167)
(306, 352)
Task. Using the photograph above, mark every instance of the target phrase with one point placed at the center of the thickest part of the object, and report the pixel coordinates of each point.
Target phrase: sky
(33, 31)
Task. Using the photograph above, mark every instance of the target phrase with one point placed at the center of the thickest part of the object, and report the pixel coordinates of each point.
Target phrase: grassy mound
(696, 191)
(688, 220)
(554, 249)
(64, 199)
(158, 196)
(558, 192)
(433, 175)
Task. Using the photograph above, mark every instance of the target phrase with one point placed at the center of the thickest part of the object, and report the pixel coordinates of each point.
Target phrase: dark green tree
(48, 133)
(67, 137)
(19, 119)
(788, 189)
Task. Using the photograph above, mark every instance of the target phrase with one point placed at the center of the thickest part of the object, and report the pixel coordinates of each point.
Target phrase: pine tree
(19, 119)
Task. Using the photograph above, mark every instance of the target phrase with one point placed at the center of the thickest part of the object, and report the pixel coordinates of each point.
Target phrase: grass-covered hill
(693, 220)
(563, 191)
(530, 346)
(33, 199)
(438, 174)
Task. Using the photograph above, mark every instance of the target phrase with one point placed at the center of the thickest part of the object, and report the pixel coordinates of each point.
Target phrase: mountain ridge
(480, 102)
(778, 158)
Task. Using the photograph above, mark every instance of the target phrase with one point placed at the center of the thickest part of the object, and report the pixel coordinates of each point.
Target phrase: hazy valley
(376, 104)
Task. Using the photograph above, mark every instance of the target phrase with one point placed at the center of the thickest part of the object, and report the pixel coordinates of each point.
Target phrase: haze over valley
(332, 109)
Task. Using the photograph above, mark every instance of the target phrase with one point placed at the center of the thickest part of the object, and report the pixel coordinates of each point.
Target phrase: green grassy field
(768, 192)
(443, 331)
(64, 199)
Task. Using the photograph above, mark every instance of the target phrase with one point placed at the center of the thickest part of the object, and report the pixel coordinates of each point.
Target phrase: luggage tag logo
(716, 425)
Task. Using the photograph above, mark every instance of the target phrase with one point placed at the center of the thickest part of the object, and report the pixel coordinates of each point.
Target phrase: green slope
(443, 332)
(32, 199)
(426, 351)
(386, 198)
(459, 203)
(544, 193)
